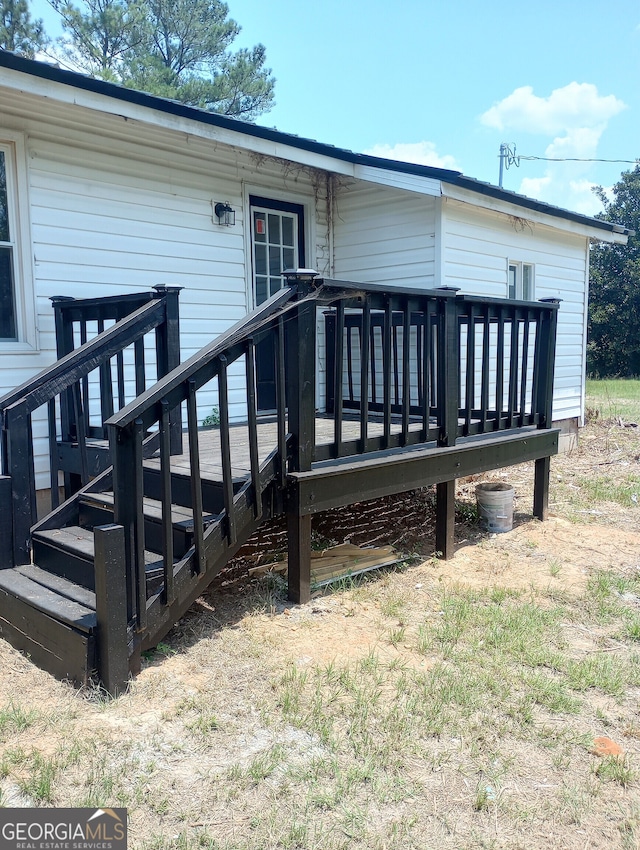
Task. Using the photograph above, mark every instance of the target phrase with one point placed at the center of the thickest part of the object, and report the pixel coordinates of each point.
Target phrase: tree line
(613, 346)
(179, 49)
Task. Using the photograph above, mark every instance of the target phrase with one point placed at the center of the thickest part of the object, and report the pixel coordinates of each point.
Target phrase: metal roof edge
(84, 82)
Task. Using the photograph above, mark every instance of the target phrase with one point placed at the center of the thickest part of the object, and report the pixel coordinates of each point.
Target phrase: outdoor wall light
(225, 215)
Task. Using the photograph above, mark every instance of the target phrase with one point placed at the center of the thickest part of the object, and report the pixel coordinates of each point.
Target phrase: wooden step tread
(73, 538)
(14, 583)
(79, 542)
(60, 585)
(181, 517)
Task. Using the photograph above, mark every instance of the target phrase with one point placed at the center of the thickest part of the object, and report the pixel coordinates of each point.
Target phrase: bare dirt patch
(451, 704)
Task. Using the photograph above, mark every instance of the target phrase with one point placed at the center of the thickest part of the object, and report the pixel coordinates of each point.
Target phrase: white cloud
(559, 188)
(421, 153)
(573, 106)
(574, 117)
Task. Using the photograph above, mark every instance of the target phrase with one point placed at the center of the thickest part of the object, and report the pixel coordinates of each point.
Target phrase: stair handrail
(65, 372)
(63, 377)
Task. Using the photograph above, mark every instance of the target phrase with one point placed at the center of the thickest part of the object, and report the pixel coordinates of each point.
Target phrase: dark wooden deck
(422, 388)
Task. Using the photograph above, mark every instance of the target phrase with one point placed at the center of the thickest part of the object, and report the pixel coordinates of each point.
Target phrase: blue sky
(446, 82)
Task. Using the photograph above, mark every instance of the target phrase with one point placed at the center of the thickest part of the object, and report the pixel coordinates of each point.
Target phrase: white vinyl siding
(384, 235)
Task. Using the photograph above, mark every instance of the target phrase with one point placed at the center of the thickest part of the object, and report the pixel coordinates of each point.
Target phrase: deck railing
(438, 366)
(411, 367)
(65, 389)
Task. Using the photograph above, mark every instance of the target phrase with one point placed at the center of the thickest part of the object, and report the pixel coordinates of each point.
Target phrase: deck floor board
(210, 450)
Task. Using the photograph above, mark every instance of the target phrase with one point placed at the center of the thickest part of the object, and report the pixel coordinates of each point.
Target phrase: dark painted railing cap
(163, 287)
(302, 274)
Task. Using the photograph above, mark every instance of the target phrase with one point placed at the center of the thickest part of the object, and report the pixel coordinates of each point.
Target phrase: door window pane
(287, 258)
(261, 289)
(261, 259)
(274, 229)
(4, 203)
(259, 227)
(287, 230)
(274, 260)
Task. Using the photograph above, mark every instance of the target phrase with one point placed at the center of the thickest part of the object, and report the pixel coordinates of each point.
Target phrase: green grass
(613, 398)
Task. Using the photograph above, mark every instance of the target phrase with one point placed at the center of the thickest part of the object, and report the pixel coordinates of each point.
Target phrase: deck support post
(541, 488)
(111, 607)
(299, 552)
(301, 401)
(6, 523)
(448, 404)
(445, 519)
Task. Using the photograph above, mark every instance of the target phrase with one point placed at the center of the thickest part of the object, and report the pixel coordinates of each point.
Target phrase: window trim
(519, 266)
(13, 145)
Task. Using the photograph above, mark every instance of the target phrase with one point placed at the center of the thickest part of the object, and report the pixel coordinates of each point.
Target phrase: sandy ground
(226, 657)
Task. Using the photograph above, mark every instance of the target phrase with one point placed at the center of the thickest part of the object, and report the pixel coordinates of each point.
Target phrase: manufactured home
(428, 326)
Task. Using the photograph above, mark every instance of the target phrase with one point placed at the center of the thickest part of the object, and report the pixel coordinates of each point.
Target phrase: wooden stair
(50, 618)
(48, 607)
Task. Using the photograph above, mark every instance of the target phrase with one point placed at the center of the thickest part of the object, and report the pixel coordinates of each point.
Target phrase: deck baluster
(252, 425)
(281, 402)
(365, 333)
(194, 470)
(138, 500)
(406, 374)
(120, 373)
(522, 418)
(386, 370)
(514, 351)
(225, 449)
(167, 526)
(484, 384)
(53, 453)
(81, 436)
(500, 368)
(138, 349)
(85, 392)
(338, 394)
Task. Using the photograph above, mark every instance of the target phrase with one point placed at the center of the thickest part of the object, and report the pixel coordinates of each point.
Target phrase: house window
(520, 281)
(7, 252)
(17, 306)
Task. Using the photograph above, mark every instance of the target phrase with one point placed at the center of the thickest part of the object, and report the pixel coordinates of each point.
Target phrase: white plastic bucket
(495, 506)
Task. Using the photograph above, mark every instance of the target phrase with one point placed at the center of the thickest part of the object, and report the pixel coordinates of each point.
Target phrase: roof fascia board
(75, 97)
(398, 179)
(556, 222)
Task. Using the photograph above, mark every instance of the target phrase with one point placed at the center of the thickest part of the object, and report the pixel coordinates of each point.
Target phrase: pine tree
(179, 49)
(18, 32)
